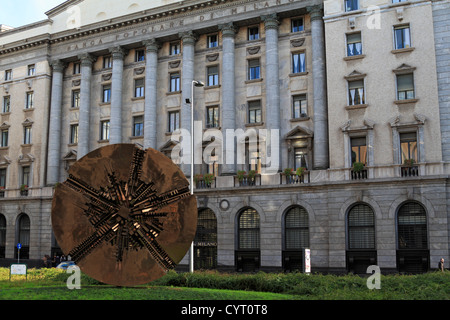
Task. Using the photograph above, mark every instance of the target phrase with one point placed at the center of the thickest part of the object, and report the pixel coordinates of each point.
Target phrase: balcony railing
(294, 178)
(247, 181)
(359, 175)
(409, 171)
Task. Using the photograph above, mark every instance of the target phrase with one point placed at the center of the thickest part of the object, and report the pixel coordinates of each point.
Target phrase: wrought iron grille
(248, 229)
(296, 228)
(361, 227)
(206, 240)
(412, 227)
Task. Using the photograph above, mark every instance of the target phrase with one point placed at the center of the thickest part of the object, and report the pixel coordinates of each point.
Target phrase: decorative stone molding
(399, 12)
(404, 69)
(352, 22)
(87, 59)
(174, 64)
(139, 71)
(118, 53)
(152, 45)
(355, 75)
(420, 118)
(212, 57)
(369, 123)
(315, 12)
(228, 30)
(188, 37)
(106, 76)
(76, 83)
(270, 21)
(58, 65)
(295, 43)
(253, 50)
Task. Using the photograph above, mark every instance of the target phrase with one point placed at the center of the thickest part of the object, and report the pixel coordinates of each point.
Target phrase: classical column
(151, 89)
(115, 133)
(187, 73)
(85, 104)
(319, 89)
(228, 94)
(272, 80)
(54, 137)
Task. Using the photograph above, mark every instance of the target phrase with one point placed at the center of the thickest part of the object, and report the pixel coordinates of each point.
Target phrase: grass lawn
(50, 284)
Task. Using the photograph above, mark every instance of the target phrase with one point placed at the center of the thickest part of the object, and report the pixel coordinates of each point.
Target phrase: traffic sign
(19, 246)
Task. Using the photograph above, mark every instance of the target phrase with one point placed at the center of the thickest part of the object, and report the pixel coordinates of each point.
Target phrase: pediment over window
(26, 158)
(5, 161)
(404, 68)
(71, 155)
(299, 133)
(27, 122)
(4, 125)
(355, 75)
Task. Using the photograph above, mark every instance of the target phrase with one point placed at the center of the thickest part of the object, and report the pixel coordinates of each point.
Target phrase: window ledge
(28, 109)
(103, 141)
(136, 137)
(254, 124)
(104, 103)
(300, 119)
(253, 80)
(357, 57)
(405, 101)
(6, 113)
(173, 93)
(4, 148)
(298, 74)
(137, 98)
(74, 108)
(72, 144)
(357, 106)
(395, 51)
(24, 145)
(212, 87)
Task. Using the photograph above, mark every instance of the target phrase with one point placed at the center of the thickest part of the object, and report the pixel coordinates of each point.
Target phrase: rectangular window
(138, 126)
(408, 146)
(76, 99)
(140, 55)
(174, 121)
(26, 177)
(6, 104)
(253, 33)
(354, 45)
(30, 100)
(27, 135)
(139, 85)
(297, 25)
(3, 178)
(254, 69)
(300, 158)
(74, 133)
(299, 107)
(31, 70)
(405, 86)
(175, 48)
(104, 130)
(254, 112)
(356, 92)
(76, 68)
(106, 93)
(213, 76)
(402, 37)
(5, 137)
(212, 117)
(174, 82)
(8, 75)
(298, 62)
(359, 150)
(398, 1)
(213, 41)
(107, 62)
(351, 5)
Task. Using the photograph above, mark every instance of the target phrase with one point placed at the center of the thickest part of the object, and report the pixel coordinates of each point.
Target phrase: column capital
(228, 29)
(87, 59)
(152, 45)
(315, 12)
(188, 37)
(58, 65)
(270, 21)
(118, 52)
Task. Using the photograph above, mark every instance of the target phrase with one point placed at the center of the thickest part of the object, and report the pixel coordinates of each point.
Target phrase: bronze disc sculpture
(125, 215)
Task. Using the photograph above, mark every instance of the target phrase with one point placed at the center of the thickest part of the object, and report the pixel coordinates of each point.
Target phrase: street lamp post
(196, 84)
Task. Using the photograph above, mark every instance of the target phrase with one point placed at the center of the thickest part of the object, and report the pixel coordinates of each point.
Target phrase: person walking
(441, 264)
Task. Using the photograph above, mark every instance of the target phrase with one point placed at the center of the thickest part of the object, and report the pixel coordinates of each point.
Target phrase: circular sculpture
(125, 215)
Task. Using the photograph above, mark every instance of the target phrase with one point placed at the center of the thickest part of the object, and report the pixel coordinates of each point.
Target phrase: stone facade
(102, 76)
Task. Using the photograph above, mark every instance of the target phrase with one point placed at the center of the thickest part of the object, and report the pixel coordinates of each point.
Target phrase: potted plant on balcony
(241, 175)
(300, 171)
(24, 190)
(288, 174)
(208, 179)
(409, 162)
(251, 177)
(358, 166)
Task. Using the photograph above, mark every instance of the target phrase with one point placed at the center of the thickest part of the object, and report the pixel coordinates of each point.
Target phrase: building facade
(336, 86)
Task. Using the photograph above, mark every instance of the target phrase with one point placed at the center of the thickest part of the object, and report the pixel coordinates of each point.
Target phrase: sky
(16, 13)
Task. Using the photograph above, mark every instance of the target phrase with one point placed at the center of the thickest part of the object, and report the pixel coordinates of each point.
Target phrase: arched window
(248, 241)
(248, 232)
(205, 243)
(296, 238)
(296, 226)
(412, 226)
(361, 227)
(412, 241)
(2, 236)
(23, 236)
